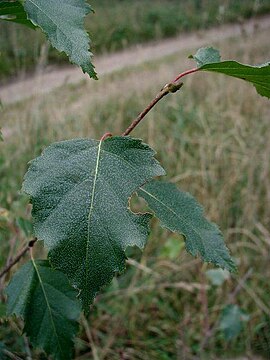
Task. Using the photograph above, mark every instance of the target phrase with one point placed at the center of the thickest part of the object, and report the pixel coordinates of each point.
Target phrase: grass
(118, 24)
(213, 138)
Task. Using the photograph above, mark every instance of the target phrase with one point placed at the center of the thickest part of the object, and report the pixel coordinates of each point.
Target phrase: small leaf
(47, 303)
(179, 211)
(206, 56)
(217, 276)
(80, 190)
(231, 322)
(14, 11)
(1, 136)
(63, 23)
(259, 75)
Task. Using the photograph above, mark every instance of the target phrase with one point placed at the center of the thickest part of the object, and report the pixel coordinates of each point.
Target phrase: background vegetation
(117, 24)
(213, 138)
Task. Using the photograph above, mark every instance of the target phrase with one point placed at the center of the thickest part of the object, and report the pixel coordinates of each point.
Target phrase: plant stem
(184, 74)
(17, 258)
(105, 136)
(168, 88)
(172, 87)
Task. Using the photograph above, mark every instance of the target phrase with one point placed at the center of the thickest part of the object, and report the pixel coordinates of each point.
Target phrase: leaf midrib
(90, 212)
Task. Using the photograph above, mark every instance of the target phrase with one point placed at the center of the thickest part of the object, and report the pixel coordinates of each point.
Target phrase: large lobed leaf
(14, 11)
(63, 23)
(79, 190)
(208, 59)
(179, 211)
(46, 301)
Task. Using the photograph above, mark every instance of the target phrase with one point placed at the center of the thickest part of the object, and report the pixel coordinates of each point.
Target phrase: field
(23, 50)
(213, 138)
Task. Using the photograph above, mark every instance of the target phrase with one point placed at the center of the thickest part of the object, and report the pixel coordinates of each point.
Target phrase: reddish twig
(168, 88)
(105, 136)
(185, 73)
(17, 258)
(172, 87)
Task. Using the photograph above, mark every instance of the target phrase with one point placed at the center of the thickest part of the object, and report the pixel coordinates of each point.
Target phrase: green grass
(118, 24)
(213, 138)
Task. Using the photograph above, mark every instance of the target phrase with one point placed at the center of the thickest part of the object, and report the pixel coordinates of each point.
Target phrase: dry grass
(214, 140)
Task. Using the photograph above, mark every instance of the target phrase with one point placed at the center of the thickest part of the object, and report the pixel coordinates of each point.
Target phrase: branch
(168, 88)
(191, 71)
(17, 258)
(105, 136)
(172, 87)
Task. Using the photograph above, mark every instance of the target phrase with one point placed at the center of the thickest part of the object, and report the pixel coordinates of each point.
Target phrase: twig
(168, 88)
(12, 242)
(17, 258)
(172, 87)
(105, 136)
(191, 71)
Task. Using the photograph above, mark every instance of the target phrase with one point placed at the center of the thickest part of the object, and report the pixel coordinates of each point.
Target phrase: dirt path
(48, 80)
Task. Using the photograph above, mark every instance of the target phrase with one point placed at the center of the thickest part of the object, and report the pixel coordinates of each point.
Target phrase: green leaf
(79, 190)
(1, 136)
(179, 211)
(258, 75)
(14, 11)
(206, 56)
(217, 276)
(231, 322)
(63, 23)
(47, 303)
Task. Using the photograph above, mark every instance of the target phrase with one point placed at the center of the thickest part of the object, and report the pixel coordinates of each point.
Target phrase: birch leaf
(178, 211)
(80, 190)
(47, 303)
(208, 59)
